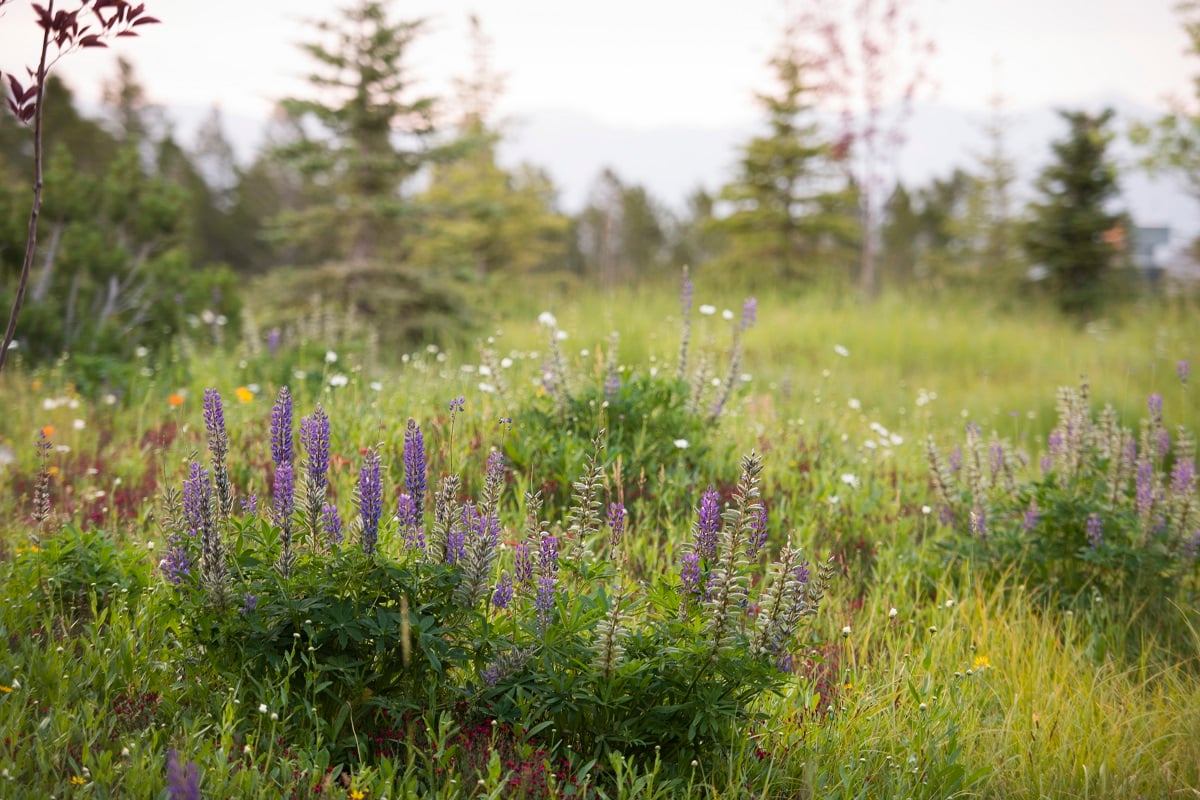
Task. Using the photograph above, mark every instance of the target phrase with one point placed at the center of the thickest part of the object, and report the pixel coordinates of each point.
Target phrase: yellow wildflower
(6, 689)
(244, 394)
(981, 662)
(77, 780)
(357, 794)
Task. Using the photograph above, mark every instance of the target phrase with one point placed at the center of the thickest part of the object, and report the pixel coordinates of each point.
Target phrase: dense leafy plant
(1110, 512)
(656, 418)
(407, 616)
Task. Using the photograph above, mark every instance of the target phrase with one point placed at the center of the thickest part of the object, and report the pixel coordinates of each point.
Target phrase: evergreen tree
(480, 217)
(1071, 233)
(784, 210)
(362, 137)
(622, 233)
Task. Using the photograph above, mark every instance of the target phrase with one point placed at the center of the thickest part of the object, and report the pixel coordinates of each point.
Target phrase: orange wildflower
(48, 431)
(244, 394)
(175, 399)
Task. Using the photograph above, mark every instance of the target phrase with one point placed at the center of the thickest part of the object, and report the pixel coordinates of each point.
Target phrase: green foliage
(1109, 515)
(1071, 230)
(427, 620)
(78, 572)
(373, 139)
(785, 213)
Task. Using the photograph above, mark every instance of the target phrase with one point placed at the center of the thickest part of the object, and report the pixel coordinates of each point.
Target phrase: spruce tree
(362, 137)
(1072, 233)
(786, 207)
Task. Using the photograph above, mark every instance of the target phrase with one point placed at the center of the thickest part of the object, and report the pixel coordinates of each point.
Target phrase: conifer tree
(788, 204)
(1072, 233)
(362, 136)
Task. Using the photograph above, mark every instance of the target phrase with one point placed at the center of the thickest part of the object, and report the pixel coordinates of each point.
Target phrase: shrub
(1109, 512)
(420, 610)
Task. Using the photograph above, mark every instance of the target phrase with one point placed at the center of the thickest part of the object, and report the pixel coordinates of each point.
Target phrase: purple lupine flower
(785, 663)
(612, 385)
(456, 544)
(1184, 370)
(708, 524)
(1033, 515)
(214, 421)
(802, 574)
(523, 564)
(996, 458)
(749, 313)
(249, 603)
(332, 523)
(945, 515)
(758, 533)
(686, 290)
(1055, 442)
(544, 600)
(370, 499)
(1154, 406)
(410, 521)
(273, 338)
(176, 564)
(314, 435)
(503, 594)
(1164, 442)
(218, 447)
(1183, 477)
(284, 494)
(956, 459)
(978, 523)
(548, 552)
(197, 497)
(456, 405)
(250, 504)
(414, 469)
(281, 428)
(1095, 532)
(1144, 483)
(689, 573)
(616, 521)
(183, 780)
(1046, 463)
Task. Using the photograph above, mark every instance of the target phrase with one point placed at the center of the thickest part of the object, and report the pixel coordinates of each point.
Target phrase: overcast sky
(643, 63)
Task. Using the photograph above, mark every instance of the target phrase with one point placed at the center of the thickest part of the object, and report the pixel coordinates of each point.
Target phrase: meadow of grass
(922, 675)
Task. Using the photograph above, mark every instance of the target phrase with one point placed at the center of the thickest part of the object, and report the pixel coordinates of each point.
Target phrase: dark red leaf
(17, 89)
(146, 21)
(30, 93)
(27, 113)
(92, 41)
(127, 33)
(15, 111)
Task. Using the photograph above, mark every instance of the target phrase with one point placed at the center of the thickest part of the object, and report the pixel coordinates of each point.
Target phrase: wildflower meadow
(677, 542)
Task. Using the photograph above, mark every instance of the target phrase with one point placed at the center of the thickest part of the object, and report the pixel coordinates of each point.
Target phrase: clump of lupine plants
(428, 601)
(661, 416)
(1107, 510)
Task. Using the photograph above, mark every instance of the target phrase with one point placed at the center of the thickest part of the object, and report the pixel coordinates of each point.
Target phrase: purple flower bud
(758, 533)
(370, 499)
(689, 573)
(956, 459)
(708, 524)
(616, 520)
(284, 494)
(523, 564)
(214, 423)
(1154, 405)
(686, 290)
(996, 458)
(1144, 484)
(183, 780)
(281, 428)
(415, 469)
(456, 405)
(802, 574)
(250, 504)
(503, 594)
(549, 555)
(314, 435)
(1183, 369)
(1095, 533)
(332, 523)
(1032, 517)
(249, 603)
(456, 544)
(1183, 477)
(749, 313)
(273, 342)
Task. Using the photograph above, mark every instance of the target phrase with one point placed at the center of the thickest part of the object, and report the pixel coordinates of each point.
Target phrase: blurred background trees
(394, 205)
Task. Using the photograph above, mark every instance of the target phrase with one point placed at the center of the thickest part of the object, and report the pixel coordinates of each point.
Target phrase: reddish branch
(62, 31)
